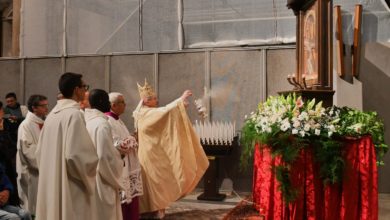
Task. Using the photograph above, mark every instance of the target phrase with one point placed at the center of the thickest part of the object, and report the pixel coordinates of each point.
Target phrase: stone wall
(237, 78)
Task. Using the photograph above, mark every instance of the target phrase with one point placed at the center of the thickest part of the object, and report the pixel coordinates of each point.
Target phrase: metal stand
(211, 191)
(214, 152)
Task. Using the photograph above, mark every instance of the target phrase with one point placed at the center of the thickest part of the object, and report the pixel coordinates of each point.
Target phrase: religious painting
(309, 46)
(313, 77)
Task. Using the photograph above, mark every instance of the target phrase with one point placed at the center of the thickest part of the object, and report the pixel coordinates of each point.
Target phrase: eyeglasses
(86, 87)
(44, 105)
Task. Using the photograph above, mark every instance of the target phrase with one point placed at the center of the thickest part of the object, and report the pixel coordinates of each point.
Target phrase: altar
(355, 197)
(314, 160)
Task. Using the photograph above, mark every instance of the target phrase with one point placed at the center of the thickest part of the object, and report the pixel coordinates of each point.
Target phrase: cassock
(67, 162)
(26, 163)
(171, 157)
(109, 168)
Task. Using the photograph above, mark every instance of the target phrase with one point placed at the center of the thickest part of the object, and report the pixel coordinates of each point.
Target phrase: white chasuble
(67, 162)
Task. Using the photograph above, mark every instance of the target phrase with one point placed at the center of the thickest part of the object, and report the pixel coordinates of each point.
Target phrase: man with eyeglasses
(84, 104)
(26, 163)
(127, 145)
(66, 158)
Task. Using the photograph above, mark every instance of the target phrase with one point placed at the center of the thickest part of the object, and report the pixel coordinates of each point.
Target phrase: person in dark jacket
(8, 137)
(7, 211)
(14, 111)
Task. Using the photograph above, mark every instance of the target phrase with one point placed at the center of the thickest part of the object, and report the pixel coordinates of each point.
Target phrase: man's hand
(123, 151)
(123, 147)
(4, 196)
(185, 96)
(133, 142)
(127, 145)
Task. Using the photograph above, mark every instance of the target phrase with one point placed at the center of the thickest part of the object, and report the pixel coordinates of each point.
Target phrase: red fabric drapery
(355, 198)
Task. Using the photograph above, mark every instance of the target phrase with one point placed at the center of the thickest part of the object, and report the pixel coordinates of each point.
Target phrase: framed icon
(314, 45)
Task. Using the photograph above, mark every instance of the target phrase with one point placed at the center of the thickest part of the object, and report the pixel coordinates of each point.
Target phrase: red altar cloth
(355, 198)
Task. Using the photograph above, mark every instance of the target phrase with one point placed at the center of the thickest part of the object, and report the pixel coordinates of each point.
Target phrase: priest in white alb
(66, 158)
(171, 157)
(26, 163)
(131, 176)
(110, 165)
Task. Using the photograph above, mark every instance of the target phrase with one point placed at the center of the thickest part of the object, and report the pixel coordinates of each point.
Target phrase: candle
(208, 132)
(230, 132)
(212, 132)
(205, 131)
(234, 129)
(226, 133)
(219, 133)
(201, 131)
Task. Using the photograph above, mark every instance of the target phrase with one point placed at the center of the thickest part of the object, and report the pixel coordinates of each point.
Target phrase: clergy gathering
(81, 162)
(194, 109)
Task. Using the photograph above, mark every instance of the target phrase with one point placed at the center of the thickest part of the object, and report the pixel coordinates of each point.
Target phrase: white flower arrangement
(286, 125)
(293, 115)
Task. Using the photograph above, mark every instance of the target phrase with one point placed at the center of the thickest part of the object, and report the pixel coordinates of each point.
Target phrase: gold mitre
(146, 90)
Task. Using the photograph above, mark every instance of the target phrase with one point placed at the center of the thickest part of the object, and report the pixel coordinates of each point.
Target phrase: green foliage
(287, 125)
(249, 137)
(285, 146)
(283, 176)
(328, 153)
(356, 123)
